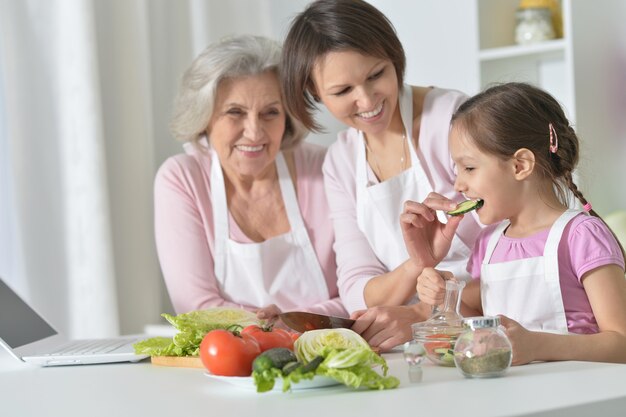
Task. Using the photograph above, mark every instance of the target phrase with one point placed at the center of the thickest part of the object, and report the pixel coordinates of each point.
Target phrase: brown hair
(507, 117)
(328, 26)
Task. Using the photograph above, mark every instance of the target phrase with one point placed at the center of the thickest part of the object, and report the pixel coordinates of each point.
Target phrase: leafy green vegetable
(265, 380)
(191, 328)
(311, 344)
(353, 367)
(156, 346)
(340, 354)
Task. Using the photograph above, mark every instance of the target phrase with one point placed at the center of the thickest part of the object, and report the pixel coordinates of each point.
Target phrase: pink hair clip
(554, 139)
(587, 207)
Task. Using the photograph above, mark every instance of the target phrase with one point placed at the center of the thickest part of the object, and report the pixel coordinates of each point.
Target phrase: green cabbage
(347, 358)
(311, 344)
(191, 328)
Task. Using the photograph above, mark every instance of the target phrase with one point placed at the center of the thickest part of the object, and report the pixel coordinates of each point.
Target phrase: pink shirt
(586, 244)
(185, 232)
(356, 261)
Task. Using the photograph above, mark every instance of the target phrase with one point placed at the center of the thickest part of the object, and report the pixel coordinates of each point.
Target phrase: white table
(141, 389)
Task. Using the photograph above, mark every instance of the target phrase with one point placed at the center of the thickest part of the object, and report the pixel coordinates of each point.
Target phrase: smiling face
(359, 90)
(248, 124)
(484, 176)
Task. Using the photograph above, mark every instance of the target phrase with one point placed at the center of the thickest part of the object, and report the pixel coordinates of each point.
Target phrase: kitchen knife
(301, 321)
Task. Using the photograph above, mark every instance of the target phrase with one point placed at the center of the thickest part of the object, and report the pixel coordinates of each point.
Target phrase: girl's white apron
(527, 290)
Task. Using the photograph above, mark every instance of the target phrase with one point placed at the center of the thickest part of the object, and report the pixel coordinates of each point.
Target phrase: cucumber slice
(466, 206)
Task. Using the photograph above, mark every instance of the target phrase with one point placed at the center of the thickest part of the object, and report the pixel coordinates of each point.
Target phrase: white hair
(231, 57)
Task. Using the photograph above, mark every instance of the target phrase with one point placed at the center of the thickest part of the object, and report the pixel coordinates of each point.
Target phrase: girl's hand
(431, 286)
(427, 240)
(521, 339)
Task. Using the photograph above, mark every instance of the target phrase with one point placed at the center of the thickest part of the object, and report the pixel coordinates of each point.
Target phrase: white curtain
(55, 146)
(86, 88)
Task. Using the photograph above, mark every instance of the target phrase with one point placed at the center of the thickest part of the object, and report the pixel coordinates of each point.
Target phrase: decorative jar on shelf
(533, 25)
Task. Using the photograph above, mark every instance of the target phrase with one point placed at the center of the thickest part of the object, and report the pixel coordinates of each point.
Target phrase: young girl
(555, 274)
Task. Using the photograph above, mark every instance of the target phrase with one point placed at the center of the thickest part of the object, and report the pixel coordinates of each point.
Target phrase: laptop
(28, 337)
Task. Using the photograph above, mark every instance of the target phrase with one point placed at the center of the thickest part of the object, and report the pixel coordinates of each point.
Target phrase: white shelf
(546, 47)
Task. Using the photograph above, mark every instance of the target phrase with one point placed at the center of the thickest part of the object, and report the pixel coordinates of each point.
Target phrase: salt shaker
(414, 355)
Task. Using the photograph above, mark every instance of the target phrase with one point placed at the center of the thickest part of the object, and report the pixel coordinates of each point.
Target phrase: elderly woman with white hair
(241, 217)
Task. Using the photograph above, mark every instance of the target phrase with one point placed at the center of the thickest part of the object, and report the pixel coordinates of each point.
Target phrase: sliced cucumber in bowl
(466, 206)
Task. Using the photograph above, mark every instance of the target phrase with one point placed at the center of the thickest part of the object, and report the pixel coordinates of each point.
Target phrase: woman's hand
(269, 313)
(427, 240)
(521, 339)
(431, 286)
(388, 326)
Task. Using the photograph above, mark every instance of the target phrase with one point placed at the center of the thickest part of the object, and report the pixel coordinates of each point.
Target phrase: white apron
(282, 270)
(379, 206)
(527, 290)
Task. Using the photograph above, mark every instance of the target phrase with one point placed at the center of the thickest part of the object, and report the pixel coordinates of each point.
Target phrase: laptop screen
(20, 324)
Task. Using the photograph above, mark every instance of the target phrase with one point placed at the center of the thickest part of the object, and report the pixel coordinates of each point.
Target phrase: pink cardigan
(185, 233)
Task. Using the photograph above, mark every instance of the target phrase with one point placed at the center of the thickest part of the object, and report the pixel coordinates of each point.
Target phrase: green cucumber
(290, 367)
(466, 206)
(273, 358)
(312, 366)
(448, 358)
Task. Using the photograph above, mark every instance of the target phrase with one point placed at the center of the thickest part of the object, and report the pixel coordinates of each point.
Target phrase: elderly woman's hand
(269, 313)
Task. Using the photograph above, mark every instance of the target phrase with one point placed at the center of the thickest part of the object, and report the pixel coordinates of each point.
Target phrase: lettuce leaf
(266, 379)
(192, 327)
(211, 319)
(354, 367)
(156, 346)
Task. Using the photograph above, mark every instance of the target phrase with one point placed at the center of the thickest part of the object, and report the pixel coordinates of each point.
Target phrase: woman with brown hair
(346, 55)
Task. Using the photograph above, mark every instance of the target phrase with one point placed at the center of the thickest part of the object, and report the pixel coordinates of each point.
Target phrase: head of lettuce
(191, 328)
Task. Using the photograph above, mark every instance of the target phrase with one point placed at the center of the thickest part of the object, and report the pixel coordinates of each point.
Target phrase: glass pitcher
(438, 334)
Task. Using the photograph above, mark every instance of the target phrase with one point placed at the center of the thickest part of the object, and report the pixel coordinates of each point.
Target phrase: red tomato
(228, 354)
(431, 346)
(294, 336)
(269, 338)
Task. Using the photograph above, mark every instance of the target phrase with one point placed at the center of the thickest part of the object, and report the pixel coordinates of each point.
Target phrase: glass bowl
(438, 341)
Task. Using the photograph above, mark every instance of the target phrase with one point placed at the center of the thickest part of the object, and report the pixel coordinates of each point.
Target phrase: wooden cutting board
(178, 361)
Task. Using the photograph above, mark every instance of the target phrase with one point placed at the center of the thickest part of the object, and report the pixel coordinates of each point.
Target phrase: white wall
(435, 57)
(600, 61)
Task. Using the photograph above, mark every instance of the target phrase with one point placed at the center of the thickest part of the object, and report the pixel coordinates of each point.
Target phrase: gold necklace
(403, 158)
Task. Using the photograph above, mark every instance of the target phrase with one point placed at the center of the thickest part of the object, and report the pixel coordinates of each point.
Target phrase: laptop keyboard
(90, 347)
